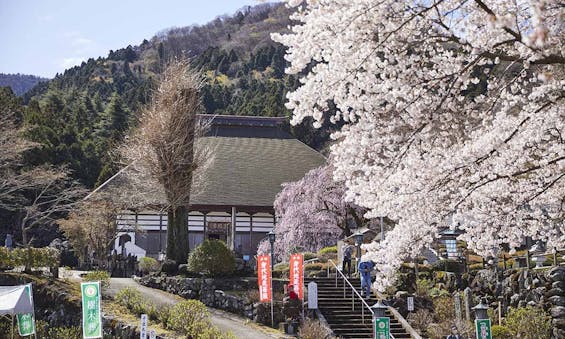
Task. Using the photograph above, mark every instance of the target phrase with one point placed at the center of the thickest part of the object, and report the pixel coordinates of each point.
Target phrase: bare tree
(92, 228)
(50, 194)
(12, 146)
(39, 195)
(162, 147)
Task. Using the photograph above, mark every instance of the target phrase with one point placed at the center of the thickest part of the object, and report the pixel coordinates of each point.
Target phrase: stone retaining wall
(224, 294)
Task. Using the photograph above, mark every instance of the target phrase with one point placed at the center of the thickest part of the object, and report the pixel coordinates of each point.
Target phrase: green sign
(91, 316)
(382, 328)
(482, 327)
(26, 322)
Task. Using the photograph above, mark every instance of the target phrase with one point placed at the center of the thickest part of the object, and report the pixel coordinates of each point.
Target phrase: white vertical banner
(143, 331)
(152, 334)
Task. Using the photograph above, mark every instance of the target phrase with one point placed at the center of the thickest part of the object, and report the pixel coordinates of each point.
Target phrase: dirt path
(239, 326)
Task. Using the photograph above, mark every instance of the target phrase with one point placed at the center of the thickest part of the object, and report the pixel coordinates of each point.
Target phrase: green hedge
(212, 258)
(29, 257)
(148, 264)
(102, 276)
(327, 250)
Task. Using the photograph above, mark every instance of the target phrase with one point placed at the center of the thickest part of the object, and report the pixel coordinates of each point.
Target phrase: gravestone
(468, 300)
(457, 302)
(312, 295)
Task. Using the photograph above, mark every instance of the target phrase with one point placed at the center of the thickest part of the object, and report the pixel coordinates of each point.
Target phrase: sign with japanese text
(91, 313)
(312, 295)
(382, 328)
(152, 334)
(26, 322)
(410, 303)
(296, 275)
(482, 326)
(143, 331)
(264, 277)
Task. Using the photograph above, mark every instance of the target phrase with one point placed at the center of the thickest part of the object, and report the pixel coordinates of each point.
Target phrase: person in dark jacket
(365, 268)
(347, 251)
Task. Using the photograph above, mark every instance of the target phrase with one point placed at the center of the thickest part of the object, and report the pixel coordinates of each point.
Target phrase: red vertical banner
(297, 274)
(264, 277)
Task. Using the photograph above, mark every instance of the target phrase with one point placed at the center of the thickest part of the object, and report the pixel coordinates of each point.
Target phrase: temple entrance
(217, 231)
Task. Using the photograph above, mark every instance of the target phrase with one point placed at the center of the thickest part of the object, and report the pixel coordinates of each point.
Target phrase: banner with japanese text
(297, 273)
(264, 277)
(91, 313)
(26, 322)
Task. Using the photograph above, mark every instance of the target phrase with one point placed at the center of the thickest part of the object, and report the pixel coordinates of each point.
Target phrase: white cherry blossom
(454, 110)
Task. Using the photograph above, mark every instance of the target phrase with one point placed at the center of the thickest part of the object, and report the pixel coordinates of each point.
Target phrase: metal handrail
(354, 291)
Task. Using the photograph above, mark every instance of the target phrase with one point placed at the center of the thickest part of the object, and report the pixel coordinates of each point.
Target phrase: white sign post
(410, 304)
(152, 334)
(143, 332)
(312, 295)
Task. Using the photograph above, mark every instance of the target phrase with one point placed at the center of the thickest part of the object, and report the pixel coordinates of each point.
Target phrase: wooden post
(555, 256)
(232, 229)
(499, 313)
(160, 232)
(504, 261)
(528, 260)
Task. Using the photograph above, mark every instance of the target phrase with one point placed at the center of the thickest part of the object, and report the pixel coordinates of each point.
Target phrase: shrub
(30, 257)
(132, 300)
(501, 332)
(313, 266)
(444, 309)
(102, 276)
(313, 329)
(476, 267)
(436, 292)
(420, 320)
(309, 255)
(423, 287)
(528, 322)
(281, 266)
(212, 258)
(189, 317)
(148, 264)
(73, 332)
(328, 250)
(440, 330)
(280, 270)
(163, 315)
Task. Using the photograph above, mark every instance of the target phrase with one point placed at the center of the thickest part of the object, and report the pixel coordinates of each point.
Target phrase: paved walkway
(241, 327)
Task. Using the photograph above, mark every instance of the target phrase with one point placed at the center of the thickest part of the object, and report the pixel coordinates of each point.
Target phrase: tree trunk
(177, 234)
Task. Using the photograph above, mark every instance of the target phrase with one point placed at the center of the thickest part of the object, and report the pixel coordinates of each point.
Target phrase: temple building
(233, 200)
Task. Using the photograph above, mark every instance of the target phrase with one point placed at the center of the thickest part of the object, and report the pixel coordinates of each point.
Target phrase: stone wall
(520, 288)
(226, 294)
(556, 296)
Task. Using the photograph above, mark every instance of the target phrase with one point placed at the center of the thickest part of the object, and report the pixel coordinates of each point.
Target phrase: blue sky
(43, 37)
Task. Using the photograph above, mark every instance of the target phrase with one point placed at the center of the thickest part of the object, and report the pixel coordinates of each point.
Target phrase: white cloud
(70, 62)
(80, 44)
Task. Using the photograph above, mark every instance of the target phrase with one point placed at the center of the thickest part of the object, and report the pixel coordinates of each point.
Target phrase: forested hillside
(81, 114)
(19, 83)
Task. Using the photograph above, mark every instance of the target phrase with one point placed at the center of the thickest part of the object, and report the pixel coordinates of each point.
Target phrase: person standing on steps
(346, 251)
(365, 268)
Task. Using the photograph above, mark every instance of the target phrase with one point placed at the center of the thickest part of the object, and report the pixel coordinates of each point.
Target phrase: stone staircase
(345, 322)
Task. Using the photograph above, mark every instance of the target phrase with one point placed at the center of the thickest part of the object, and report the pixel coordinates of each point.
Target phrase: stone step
(344, 321)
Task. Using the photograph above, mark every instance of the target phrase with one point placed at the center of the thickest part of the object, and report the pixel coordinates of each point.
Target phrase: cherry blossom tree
(453, 109)
(311, 214)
